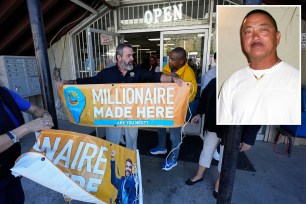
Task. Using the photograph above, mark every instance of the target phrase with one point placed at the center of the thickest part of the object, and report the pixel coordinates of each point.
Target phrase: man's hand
(195, 119)
(113, 154)
(59, 84)
(244, 147)
(177, 80)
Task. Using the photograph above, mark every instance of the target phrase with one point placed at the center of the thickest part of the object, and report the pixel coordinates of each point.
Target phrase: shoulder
(12, 93)
(188, 68)
(237, 76)
(289, 69)
(237, 79)
(109, 70)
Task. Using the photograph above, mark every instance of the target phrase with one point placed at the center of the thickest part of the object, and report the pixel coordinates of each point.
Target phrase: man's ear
(278, 36)
(119, 58)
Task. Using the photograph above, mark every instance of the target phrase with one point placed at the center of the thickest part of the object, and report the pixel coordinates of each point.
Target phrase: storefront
(154, 27)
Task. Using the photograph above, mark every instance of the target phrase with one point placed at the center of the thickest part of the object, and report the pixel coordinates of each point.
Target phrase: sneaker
(168, 165)
(158, 150)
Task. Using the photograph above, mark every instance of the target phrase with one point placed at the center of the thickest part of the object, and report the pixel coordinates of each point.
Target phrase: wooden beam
(20, 27)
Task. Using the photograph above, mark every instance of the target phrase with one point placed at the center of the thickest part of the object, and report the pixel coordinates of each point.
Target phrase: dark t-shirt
(113, 75)
(207, 106)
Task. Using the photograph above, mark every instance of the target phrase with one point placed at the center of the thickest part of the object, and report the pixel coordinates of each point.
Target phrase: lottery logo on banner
(75, 102)
(127, 105)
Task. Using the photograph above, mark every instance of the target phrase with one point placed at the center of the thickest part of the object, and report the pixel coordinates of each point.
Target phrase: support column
(39, 39)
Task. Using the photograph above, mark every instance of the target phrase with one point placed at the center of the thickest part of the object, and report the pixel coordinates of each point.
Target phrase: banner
(126, 105)
(82, 167)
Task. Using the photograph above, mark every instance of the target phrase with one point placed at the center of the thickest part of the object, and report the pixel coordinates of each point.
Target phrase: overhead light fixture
(135, 45)
(125, 41)
(144, 49)
(158, 39)
(201, 35)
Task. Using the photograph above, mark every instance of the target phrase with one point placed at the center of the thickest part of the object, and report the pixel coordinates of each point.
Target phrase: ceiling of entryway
(60, 16)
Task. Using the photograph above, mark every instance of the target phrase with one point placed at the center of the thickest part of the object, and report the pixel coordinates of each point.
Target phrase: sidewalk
(278, 179)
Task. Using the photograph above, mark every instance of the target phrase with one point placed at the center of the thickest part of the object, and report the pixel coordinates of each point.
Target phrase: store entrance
(145, 44)
(160, 44)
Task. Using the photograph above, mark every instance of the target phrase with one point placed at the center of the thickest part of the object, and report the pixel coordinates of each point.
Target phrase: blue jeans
(175, 137)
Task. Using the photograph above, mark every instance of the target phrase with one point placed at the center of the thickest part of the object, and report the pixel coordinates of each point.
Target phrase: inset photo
(259, 65)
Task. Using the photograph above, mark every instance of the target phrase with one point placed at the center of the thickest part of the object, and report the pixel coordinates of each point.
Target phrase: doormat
(190, 149)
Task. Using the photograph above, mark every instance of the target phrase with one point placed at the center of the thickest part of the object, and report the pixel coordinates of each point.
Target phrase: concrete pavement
(278, 179)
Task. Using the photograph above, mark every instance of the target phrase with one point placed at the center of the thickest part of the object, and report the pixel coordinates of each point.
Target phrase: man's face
(128, 168)
(126, 61)
(259, 38)
(175, 61)
(153, 61)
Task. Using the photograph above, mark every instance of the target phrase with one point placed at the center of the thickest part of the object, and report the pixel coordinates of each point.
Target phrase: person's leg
(161, 136)
(175, 137)
(219, 172)
(100, 132)
(131, 135)
(161, 144)
(171, 161)
(113, 135)
(210, 143)
(215, 193)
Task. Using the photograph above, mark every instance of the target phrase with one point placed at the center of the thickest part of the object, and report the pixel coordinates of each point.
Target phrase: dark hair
(129, 160)
(264, 13)
(153, 56)
(181, 51)
(119, 49)
(215, 56)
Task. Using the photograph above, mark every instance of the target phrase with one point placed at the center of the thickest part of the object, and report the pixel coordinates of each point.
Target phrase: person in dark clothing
(123, 72)
(207, 106)
(12, 129)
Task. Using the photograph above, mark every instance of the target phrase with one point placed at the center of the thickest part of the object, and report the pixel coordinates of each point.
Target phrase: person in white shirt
(154, 64)
(209, 75)
(267, 91)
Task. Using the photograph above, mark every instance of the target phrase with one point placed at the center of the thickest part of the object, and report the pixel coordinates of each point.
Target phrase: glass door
(195, 42)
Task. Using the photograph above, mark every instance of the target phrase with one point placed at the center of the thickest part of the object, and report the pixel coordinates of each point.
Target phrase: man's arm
(114, 180)
(248, 136)
(97, 79)
(171, 79)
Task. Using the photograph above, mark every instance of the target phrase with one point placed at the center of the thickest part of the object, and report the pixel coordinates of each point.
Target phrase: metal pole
(39, 39)
(229, 164)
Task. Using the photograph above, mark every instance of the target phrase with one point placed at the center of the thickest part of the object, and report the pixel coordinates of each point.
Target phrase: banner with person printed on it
(83, 167)
(126, 105)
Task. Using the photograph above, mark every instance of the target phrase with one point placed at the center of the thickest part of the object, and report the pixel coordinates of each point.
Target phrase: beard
(127, 66)
(127, 173)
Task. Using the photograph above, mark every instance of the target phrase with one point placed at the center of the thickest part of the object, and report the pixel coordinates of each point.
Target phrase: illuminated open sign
(165, 14)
